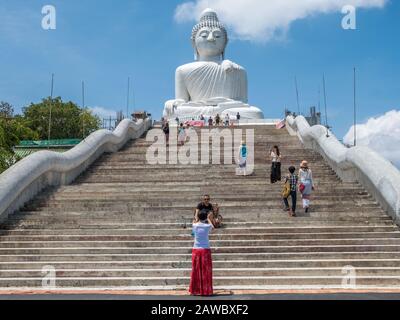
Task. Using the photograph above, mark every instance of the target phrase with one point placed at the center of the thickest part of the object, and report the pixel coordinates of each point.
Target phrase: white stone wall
(28, 177)
(374, 173)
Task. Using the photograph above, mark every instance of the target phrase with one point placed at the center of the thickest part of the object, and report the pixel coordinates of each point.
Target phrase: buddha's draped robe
(207, 80)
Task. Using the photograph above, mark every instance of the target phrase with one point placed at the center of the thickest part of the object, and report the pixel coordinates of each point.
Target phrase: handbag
(286, 189)
(302, 187)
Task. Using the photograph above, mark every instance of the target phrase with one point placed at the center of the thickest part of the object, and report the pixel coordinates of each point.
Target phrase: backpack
(286, 189)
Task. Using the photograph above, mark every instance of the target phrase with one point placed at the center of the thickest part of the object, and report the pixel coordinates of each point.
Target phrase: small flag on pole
(281, 125)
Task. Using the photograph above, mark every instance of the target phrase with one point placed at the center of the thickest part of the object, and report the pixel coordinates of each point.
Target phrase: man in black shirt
(206, 207)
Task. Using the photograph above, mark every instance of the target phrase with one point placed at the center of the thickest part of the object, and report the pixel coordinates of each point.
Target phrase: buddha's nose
(211, 37)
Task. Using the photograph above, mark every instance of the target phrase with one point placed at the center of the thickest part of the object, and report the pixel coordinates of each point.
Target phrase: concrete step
(233, 182)
(201, 179)
(185, 272)
(297, 225)
(228, 169)
(49, 258)
(9, 253)
(258, 158)
(217, 191)
(290, 148)
(189, 196)
(126, 224)
(204, 152)
(225, 204)
(182, 243)
(97, 220)
(256, 203)
(283, 229)
(222, 264)
(183, 234)
(129, 216)
(141, 283)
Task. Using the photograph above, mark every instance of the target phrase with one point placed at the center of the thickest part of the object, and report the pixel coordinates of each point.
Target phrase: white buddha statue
(211, 85)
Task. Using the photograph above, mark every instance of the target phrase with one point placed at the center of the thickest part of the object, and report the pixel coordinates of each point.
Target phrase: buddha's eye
(204, 34)
(217, 35)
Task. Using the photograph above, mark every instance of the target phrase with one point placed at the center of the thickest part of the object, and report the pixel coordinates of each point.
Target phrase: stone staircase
(125, 224)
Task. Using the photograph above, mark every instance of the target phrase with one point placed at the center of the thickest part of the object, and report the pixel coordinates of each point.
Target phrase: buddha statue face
(210, 42)
(209, 37)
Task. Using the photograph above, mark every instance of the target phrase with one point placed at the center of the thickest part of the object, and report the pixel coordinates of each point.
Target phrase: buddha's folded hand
(229, 66)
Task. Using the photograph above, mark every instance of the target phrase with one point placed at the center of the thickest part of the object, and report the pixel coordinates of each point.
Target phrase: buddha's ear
(223, 55)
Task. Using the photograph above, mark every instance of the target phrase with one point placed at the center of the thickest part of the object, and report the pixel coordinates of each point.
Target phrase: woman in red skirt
(201, 277)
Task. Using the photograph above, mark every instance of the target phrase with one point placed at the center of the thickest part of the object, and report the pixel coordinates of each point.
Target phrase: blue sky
(104, 42)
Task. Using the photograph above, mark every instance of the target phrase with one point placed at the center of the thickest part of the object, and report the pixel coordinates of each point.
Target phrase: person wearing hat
(306, 184)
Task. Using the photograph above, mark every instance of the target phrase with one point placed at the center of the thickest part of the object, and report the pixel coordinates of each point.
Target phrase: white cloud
(103, 113)
(382, 134)
(262, 20)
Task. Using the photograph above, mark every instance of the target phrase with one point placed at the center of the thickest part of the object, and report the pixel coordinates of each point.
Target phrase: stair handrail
(357, 164)
(25, 179)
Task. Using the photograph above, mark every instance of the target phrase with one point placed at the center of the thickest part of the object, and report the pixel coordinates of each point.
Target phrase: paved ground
(220, 295)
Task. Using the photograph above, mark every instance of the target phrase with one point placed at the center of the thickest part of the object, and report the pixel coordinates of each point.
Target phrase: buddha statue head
(209, 37)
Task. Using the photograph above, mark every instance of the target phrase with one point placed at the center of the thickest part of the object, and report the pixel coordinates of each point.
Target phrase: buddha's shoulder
(191, 66)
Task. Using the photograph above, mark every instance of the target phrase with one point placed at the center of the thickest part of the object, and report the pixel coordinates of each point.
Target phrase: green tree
(89, 122)
(7, 136)
(6, 141)
(68, 121)
(12, 131)
(6, 110)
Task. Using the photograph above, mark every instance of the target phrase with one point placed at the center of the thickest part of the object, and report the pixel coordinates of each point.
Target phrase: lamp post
(326, 108)
(127, 98)
(83, 109)
(297, 95)
(355, 109)
(51, 102)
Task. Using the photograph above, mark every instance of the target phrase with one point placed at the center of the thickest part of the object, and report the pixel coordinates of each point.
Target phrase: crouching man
(211, 210)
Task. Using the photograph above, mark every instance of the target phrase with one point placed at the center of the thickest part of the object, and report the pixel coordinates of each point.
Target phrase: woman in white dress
(306, 184)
